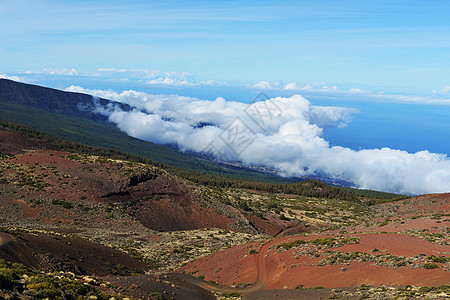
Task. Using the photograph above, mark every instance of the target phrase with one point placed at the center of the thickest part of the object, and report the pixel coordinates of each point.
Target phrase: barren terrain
(143, 233)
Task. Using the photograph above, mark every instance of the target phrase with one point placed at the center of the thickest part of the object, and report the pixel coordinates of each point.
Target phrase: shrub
(353, 240)
(243, 205)
(430, 266)
(157, 296)
(230, 295)
(283, 217)
(439, 259)
(8, 280)
(400, 264)
(384, 223)
(328, 241)
(42, 286)
(62, 203)
(292, 244)
(259, 215)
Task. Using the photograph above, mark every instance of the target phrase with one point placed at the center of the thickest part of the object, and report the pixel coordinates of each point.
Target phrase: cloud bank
(281, 133)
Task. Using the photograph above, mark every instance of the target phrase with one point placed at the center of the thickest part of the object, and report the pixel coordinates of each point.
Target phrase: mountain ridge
(41, 108)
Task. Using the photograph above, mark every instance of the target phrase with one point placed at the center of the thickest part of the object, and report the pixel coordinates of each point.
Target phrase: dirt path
(260, 264)
(219, 288)
(260, 283)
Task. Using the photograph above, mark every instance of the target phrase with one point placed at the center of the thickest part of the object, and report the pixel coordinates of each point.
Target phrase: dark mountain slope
(70, 116)
(52, 100)
(58, 253)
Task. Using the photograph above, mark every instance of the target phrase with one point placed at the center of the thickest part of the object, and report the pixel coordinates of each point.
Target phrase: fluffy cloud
(281, 133)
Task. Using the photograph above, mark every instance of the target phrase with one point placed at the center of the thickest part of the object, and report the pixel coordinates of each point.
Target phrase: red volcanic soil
(273, 227)
(433, 202)
(15, 143)
(58, 253)
(37, 177)
(279, 269)
(421, 205)
(158, 200)
(165, 215)
(393, 254)
(423, 223)
(155, 198)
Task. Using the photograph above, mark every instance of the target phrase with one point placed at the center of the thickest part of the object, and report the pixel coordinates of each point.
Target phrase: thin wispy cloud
(156, 77)
(54, 71)
(435, 98)
(138, 76)
(444, 91)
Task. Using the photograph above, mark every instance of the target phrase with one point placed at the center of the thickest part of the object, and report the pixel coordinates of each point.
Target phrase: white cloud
(15, 78)
(267, 85)
(359, 91)
(282, 133)
(438, 97)
(262, 85)
(139, 76)
(292, 86)
(168, 81)
(315, 87)
(445, 90)
(156, 77)
(112, 70)
(410, 99)
(52, 71)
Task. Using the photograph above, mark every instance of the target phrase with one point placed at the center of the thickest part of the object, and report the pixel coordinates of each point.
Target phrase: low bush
(430, 266)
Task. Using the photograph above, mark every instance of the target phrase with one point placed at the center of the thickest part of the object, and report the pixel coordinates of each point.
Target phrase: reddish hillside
(15, 143)
(39, 180)
(400, 250)
(160, 201)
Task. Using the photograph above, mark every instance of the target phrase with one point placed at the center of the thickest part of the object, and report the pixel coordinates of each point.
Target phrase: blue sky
(397, 46)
